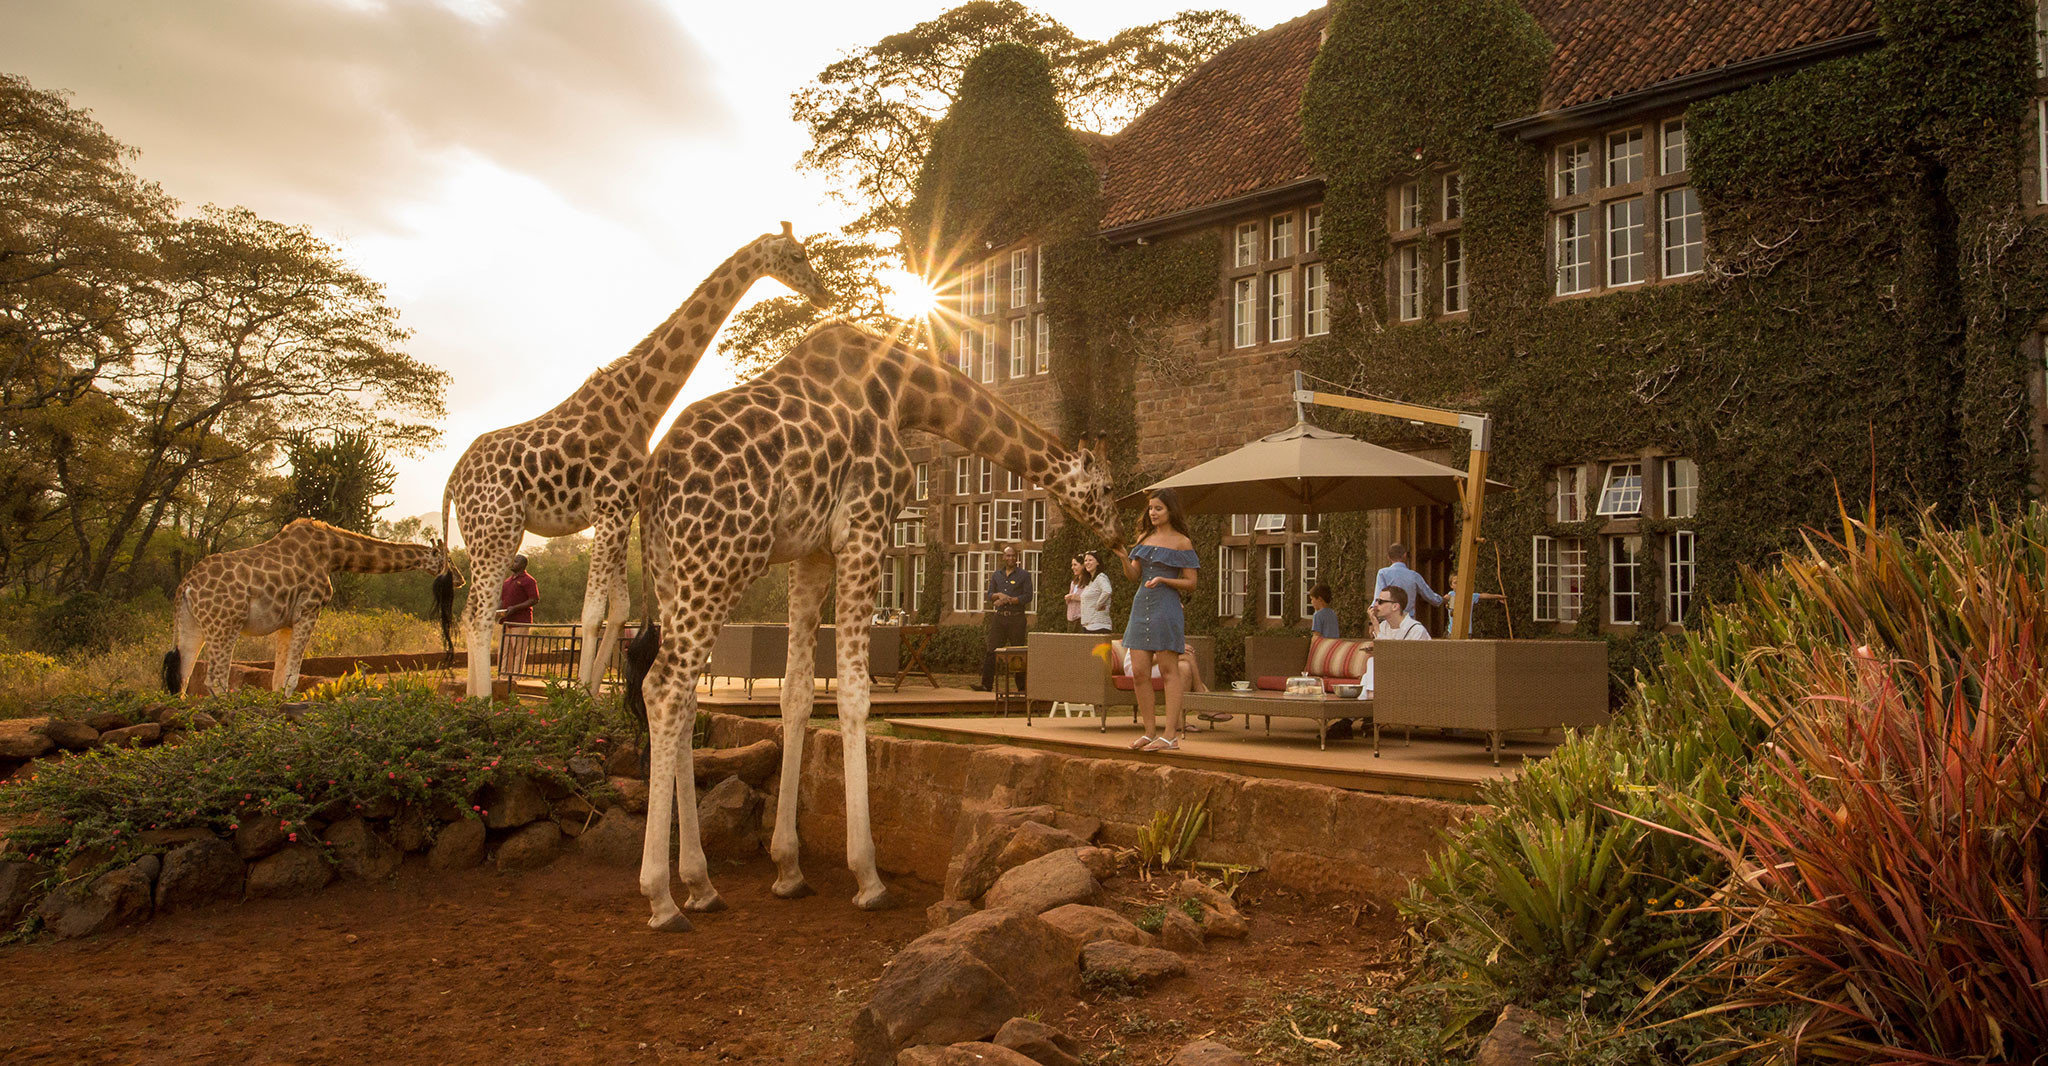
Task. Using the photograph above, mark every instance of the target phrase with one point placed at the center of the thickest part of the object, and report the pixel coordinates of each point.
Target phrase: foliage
(764, 332)
(1170, 838)
(337, 479)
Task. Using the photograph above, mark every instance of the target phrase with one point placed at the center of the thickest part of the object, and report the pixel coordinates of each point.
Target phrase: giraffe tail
(174, 668)
(639, 657)
(444, 605)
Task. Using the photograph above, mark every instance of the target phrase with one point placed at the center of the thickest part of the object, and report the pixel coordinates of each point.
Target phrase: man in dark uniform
(515, 610)
(1009, 592)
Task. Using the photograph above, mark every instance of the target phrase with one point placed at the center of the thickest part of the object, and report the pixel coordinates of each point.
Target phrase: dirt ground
(558, 966)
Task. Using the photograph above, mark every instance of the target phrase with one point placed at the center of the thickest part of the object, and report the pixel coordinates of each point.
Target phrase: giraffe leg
(190, 639)
(859, 579)
(670, 689)
(220, 657)
(302, 635)
(809, 579)
(280, 654)
(490, 557)
(601, 601)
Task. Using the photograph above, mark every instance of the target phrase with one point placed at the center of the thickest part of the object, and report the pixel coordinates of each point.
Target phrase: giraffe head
(1081, 481)
(785, 259)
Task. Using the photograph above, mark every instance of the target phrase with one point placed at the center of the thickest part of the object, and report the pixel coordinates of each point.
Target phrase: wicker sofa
(749, 652)
(1269, 660)
(1492, 686)
(1065, 668)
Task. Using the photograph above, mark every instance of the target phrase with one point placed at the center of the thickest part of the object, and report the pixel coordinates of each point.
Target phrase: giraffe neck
(973, 418)
(653, 372)
(359, 554)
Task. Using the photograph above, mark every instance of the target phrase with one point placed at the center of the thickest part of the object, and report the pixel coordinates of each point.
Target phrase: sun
(906, 295)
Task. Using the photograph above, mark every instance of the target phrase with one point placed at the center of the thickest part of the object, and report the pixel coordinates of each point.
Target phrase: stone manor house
(1224, 152)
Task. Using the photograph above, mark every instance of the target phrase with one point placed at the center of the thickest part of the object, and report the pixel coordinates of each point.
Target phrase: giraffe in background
(278, 587)
(577, 466)
(803, 464)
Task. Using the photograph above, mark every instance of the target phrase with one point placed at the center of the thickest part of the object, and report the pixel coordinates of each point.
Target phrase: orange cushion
(1336, 658)
(1271, 683)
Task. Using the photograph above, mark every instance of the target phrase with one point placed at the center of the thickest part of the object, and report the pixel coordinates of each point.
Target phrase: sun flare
(907, 295)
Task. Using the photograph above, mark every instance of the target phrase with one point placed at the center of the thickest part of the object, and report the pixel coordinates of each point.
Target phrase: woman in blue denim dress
(1163, 564)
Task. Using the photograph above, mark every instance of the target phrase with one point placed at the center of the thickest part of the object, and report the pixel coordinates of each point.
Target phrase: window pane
(1315, 300)
(1624, 157)
(1571, 500)
(1574, 169)
(1623, 492)
(1680, 571)
(1685, 242)
(1454, 274)
(1020, 271)
(1044, 343)
(1621, 579)
(1312, 230)
(1276, 582)
(1244, 313)
(1574, 252)
(1247, 244)
(988, 288)
(1681, 488)
(1409, 198)
(1408, 283)
(1674, 146)
(1280, 306)
(1306, 556)
(1453, 196)
(1281, 243)
(1020, 347)
(1625, 255)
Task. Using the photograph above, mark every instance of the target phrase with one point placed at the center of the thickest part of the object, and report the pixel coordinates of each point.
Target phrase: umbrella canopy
(1306, 469)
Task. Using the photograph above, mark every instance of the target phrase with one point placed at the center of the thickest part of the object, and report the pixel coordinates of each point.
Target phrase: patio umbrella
(1306, 469)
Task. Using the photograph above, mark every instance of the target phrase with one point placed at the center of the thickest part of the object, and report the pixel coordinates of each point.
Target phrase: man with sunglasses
(1390, 608)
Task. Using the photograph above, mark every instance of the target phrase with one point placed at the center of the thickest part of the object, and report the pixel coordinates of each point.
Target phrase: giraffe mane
(895, 345)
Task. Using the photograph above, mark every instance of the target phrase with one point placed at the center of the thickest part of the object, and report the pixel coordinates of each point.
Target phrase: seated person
(1390, 609)
(1190, 677)
(1323, 621)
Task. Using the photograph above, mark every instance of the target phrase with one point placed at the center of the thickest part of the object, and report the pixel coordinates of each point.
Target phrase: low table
(1270, 705)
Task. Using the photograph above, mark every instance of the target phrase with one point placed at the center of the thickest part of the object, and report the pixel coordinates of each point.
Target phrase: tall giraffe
(279, 587)
(803, 464)
(577, 466)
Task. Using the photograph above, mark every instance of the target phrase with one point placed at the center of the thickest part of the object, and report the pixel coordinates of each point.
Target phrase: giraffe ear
(788, 232)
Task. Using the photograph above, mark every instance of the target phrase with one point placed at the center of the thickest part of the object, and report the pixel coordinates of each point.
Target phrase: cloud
(333, 112)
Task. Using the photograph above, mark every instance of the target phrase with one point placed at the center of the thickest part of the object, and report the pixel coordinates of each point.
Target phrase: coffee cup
(1240, 686)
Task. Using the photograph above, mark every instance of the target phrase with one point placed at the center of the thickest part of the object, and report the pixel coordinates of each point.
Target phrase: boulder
(361, 852)
(18, 747)
(105, 721)
(627, 760)
(1508, 1043)
(616, 839)
(586, 769)
(632, 793)
(411, 829)
(513, 803)
(20, 885)
(530, 847)
(68, 734)
(945, 912)
(1140, 966)
(1039, 1042)
(573, 813)
(1180, 932)
(1207, 1053)
(458, 846)
(980, 836)
(1101, 862)
(134, 736)
(295, 871)
(963, 982)
(1044, 883)
(1088, 924)
(729, 818)
(201, 720)
(1220, 916)
(198, 873)
(754, 763)
(1033, 839)
(116, 898)
(969, 1054)
(258, 836)
(378, 807)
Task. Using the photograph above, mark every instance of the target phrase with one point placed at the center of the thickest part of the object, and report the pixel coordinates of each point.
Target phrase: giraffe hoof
(675, 923)
(709, 906)
(795, 891)
(880, 901)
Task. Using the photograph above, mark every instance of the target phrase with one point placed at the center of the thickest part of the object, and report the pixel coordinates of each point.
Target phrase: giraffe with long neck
(278, 588)
(578, 465)
(803, 464)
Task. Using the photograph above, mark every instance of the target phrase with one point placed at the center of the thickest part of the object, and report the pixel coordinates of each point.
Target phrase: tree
(337, 479)
(766, 331)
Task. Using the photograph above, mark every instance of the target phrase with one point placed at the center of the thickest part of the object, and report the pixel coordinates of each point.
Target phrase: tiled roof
(1233, 127)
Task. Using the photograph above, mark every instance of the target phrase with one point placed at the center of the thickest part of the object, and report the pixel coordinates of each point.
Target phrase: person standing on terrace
(1323, 621)
(1397, 575)
(1009, 589)
(1164, 564)
(1094, 594)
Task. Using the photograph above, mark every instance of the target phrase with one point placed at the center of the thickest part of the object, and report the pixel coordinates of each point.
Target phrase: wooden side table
(1010, 664)
(916, 638)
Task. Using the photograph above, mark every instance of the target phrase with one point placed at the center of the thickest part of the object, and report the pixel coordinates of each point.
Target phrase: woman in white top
(1094, 594)
(1074, 594)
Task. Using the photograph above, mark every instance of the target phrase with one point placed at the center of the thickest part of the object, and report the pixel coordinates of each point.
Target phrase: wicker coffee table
(1270, 705)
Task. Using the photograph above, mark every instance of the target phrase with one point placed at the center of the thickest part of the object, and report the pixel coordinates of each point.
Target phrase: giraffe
(803, 464)
(577, 465)
(278, 587)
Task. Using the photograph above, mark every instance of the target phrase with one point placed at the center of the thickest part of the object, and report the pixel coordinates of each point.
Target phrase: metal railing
(553, 651)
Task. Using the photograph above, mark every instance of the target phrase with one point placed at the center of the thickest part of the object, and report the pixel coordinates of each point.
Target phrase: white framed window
(968, 338)
(988, 475)
(1020, 347)
(1305, 556)
(1560, 575)
(1622, 560)
(1574, 252)
(1230, 580)
(1622, 492)
(1039, 513)
(1306, 523)
(1454, 274)
(908, 532)
(1270, 523)
(1240, 525)
(1451, 195)
(1312, 230)
(963, 475)
(963, 527)
(1680, 570)
(1043, 327)
(921, 477)
(1020, 274)
(1033, 559)
(1276, 581)
(1573, 169)
(988, 354)
(1009, 521)
(1571, 493)
(1681, 488)
(991, 284)
(2041, 151)
(1280, 236)
(1625, 252)
(1280, 305)
(889, 597)
(1685, 241)
(1013, 481)
(1315, 300)
(971, 571)
(1408, 282)
(1247, 253)
(1038, 270)
(2040, 39)
(1244, 311)
(916, 583)
(1625, 156)
(984, 523)
(1408, 201)
(1673, 147)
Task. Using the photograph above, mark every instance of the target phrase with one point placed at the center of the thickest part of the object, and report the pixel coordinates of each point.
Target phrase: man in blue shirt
(1396, 575)
(1009, 593)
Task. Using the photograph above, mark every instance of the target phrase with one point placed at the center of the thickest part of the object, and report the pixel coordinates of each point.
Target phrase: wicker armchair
(755, 651)
(1066, 669)
(1492, 686)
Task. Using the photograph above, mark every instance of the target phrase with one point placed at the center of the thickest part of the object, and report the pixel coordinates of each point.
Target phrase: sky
(535, 184)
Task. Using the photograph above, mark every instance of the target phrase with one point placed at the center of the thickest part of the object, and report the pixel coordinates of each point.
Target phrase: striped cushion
(1336, 658)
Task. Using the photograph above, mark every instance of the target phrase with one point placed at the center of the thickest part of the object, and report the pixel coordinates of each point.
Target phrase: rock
(411, 830)
(379, 807)
(201, 720)
(1207, 1053)
(977, 839)
(68, 734)
(1081, 825)
(173, 837)
(1220, 917)
(113, 899)
(1044, 883)
(1033, 839)
(616, 839)
(729, 817)
(1180, 932)
(20, 885)
(754, 763)
(586, 769)
(1101, 862)
(197, 873)
(134, 736)
(626, 761)
(513, 803)
(1039, 1042)
(573, 813)
(259, 836)
(149, 866)
(530, 847)
(945, 912)
(968, 1054)
(458, 846)
(964, 981)
(1088, 924)
(23, 746)
(632, 793)
(295, 871)
(360, 851)
(332, 811)
(106, 721)
(1143, 967)
(1507, 1044)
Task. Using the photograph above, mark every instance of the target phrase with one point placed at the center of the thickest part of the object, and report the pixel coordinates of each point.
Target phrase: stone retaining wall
(1310, 838)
